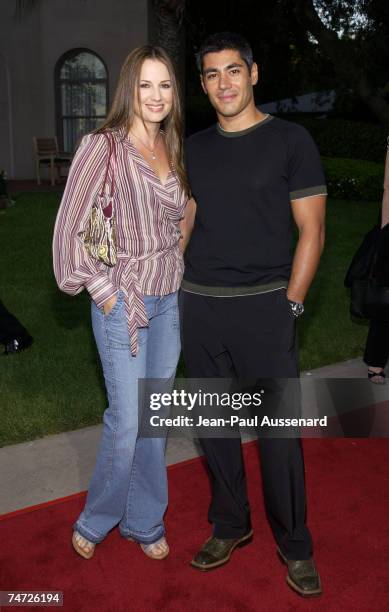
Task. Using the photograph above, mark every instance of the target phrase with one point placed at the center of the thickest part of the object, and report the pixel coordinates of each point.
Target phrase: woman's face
(155, 92)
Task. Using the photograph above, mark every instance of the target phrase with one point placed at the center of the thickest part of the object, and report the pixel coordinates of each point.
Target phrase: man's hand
(109, 304)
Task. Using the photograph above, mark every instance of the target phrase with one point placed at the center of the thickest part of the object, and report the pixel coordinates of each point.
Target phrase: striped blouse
(147, 214)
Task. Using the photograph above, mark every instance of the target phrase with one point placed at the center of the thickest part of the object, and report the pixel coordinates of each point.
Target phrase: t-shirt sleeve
(305, 172)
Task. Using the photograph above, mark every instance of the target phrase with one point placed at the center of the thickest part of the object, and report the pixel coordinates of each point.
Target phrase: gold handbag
(100, 235)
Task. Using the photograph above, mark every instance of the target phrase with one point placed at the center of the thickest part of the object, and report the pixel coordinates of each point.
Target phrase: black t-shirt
(243, 183)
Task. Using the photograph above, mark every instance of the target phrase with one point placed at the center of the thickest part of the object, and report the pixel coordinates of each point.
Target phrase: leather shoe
(302, 576)
(16, 345)
(216, 552)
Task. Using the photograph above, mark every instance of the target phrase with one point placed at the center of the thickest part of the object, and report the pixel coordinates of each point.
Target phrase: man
(251, 174)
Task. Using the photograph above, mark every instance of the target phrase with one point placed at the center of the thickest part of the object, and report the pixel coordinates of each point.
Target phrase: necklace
(152, 151)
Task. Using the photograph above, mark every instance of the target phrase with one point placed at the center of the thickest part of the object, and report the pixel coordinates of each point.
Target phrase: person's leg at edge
(376, 350)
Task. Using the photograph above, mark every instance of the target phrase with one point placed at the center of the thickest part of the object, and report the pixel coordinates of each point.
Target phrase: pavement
(60, 465)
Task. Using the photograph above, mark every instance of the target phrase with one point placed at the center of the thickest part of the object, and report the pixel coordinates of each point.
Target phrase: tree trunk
(374, 101)
(169, 15)
(169, 33)
(23, 7)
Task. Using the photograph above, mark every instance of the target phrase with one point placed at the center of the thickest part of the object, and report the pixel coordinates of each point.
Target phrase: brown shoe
(302, 576)
(216, 552)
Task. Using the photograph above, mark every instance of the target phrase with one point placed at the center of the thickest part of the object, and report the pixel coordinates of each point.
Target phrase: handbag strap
(111, 151)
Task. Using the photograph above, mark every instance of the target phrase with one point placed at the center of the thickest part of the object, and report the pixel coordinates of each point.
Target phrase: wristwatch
(297, 308)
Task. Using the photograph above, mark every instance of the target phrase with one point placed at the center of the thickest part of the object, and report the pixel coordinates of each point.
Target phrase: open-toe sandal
(157, 550)
(82, 546)
(378, 378)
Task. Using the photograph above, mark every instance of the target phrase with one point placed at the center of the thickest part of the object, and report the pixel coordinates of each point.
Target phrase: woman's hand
(109, 304)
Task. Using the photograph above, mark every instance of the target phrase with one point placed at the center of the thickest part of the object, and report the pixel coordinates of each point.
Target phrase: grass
(327, 334)
(57, 386)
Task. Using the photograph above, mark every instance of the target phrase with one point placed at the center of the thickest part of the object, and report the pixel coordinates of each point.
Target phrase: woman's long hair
(121, 114)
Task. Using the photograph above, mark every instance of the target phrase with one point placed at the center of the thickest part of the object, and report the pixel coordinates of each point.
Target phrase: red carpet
(348, 494)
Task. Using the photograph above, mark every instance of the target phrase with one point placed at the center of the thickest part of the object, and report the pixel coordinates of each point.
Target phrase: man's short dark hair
(225, 40)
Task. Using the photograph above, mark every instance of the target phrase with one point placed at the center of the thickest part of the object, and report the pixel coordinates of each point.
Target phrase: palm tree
(23, 6)
(168, 31)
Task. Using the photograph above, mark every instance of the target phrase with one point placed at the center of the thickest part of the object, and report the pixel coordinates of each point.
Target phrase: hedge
(334, 137)
(347, 139)
(353, 179)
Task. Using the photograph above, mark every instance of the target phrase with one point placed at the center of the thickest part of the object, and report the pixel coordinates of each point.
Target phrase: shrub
(349, 139)
(353, 179)
(334, 137)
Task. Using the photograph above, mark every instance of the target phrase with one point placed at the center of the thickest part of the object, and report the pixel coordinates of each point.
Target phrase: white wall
(29, 50)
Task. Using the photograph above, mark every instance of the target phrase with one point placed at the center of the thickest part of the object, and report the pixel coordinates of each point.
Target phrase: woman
(377, 343)
(134, 304)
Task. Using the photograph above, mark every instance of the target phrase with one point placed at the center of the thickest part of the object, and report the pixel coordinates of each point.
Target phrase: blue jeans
(129, 483)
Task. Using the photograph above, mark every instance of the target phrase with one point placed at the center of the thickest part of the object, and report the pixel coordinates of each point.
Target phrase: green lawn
(56, 385)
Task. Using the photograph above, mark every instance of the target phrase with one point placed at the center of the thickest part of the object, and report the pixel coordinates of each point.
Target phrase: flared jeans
(129, 483)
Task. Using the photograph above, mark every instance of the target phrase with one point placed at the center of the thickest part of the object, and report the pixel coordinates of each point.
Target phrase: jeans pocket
(115, 326)
(116, 307)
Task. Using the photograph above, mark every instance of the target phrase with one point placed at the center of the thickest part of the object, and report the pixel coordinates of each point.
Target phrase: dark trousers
(377, 344)
(10, 327)
(249, 337)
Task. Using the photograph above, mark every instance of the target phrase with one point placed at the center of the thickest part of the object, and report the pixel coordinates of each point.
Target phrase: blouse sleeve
(74, 269)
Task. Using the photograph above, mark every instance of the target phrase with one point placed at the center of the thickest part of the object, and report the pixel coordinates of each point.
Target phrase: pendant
(153, 156)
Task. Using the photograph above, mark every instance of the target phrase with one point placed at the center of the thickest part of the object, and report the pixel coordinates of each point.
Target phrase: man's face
(228, 82)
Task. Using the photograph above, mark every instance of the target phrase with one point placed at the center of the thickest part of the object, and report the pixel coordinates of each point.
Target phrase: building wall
(6, 155)
(29, 50)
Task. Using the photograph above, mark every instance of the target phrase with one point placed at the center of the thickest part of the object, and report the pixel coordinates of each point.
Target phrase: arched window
(81, 95)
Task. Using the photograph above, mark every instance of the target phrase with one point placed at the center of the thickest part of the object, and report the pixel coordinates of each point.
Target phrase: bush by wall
(354, 179)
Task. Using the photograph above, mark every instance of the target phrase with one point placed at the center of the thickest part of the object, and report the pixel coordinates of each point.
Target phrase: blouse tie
(135, 310)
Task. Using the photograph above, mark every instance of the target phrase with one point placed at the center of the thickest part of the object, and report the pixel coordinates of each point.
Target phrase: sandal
(82, 546)
(157, 550)
(378, 378)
